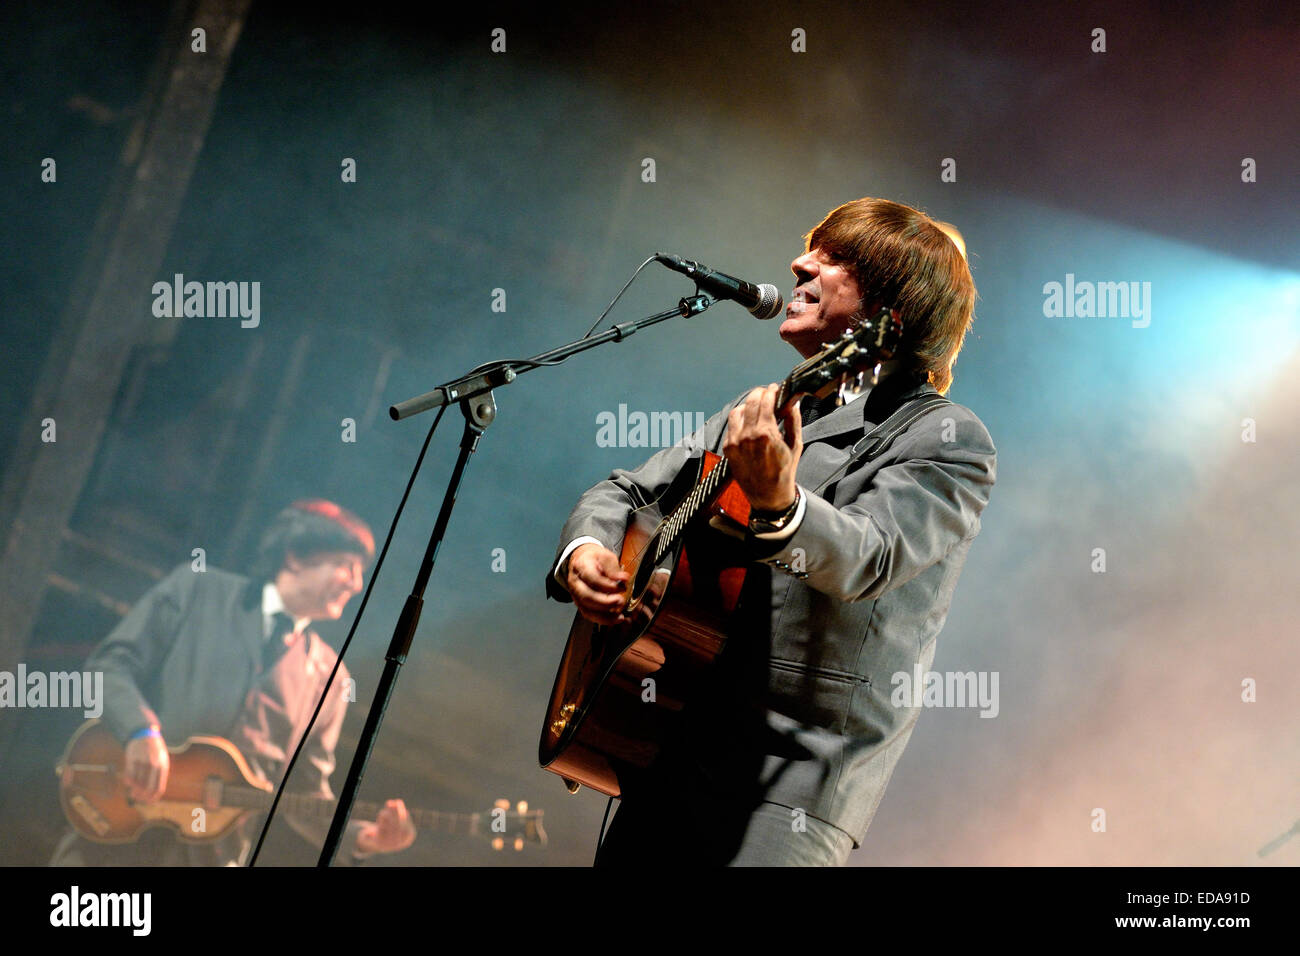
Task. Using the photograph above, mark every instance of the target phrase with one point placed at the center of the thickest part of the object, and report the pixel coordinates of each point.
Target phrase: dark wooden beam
(109, 309)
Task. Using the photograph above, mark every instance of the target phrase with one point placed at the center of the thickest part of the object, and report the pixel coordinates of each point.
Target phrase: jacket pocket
(813, 696)
(827, 673)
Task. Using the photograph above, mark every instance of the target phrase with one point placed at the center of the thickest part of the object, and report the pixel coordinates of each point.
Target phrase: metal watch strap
(776, 522)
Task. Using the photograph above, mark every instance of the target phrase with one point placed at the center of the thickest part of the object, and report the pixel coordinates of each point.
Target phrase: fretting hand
(392, 830)
(762, 460)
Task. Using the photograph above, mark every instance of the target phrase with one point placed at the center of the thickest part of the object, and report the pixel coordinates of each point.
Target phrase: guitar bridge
(86, 810)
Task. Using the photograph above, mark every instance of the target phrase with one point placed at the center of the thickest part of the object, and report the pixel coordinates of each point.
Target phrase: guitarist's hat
(308, 527)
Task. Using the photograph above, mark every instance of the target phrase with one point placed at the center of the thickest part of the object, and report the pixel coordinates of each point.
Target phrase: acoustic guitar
(211, 790)
(619, 689)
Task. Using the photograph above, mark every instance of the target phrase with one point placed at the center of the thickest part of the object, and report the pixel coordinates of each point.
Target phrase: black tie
(275, 648)
(814, 408)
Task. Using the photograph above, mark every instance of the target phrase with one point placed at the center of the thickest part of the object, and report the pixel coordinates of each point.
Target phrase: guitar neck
(700, 498)
(856, 351)
(306, 804)
(703, 494)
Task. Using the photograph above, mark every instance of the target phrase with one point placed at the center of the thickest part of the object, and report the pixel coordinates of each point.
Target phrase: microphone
(762, 301)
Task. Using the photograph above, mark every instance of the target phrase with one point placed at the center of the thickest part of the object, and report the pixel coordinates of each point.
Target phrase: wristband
(145, 732)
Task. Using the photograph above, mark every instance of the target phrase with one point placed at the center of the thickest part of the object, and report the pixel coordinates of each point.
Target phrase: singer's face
(825, 297)
(319, 586)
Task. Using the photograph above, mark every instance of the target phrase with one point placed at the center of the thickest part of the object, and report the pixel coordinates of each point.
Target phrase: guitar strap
(883, 435)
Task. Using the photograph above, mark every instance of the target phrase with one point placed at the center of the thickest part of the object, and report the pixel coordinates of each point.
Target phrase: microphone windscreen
(769, 303)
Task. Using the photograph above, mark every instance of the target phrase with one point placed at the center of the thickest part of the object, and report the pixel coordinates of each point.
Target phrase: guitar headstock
(857, 353)
(515, 827)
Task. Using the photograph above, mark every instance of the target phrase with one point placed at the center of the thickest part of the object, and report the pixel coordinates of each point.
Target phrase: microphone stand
(478, 405)
(1277, 842)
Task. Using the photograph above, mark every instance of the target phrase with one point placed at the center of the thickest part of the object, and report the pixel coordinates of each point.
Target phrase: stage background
(1171, 445)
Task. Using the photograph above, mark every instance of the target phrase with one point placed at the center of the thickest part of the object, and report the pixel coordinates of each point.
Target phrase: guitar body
(96, 802)
(620, 689)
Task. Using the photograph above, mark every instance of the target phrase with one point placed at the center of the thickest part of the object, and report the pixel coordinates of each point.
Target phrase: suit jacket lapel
(860, 416)
(251, 626)
(847, 424)
(846, 418)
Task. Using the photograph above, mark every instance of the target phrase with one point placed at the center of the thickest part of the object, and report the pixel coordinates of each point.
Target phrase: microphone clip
(693, 305)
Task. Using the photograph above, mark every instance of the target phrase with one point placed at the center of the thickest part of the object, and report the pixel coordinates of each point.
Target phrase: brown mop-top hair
(902, 258)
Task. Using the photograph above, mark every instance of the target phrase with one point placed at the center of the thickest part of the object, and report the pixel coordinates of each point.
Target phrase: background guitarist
(209, 652)
(785, 759)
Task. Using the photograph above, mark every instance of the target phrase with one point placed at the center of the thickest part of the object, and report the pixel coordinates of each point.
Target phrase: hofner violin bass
(211, 789)
(600, 726)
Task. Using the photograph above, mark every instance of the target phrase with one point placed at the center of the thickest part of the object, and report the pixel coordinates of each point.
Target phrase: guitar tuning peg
(498, 843)
(519, 844)
(522, 807)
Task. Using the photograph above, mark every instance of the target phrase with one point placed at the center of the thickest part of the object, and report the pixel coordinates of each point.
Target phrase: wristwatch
(766, 522)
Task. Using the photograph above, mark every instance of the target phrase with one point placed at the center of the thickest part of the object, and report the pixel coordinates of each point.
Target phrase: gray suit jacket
(801, 712)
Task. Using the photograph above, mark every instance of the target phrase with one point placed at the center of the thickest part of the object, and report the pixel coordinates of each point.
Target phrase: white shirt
(273, 604)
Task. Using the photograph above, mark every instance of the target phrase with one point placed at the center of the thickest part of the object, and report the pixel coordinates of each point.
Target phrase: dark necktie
(275, 647)
(814, 408)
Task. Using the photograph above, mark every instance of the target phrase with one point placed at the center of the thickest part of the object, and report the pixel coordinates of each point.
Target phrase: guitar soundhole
(643, 576)
(650, 583)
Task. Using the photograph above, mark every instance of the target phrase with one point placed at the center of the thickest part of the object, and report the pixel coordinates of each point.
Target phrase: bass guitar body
(620, 689)
(211, 789)
(97, 804)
